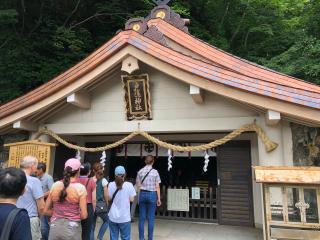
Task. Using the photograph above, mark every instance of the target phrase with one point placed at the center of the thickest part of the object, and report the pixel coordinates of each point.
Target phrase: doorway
(186, 173)
(225, 189)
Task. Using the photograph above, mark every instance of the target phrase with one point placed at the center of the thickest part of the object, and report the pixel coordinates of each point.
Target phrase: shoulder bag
(114, 195)
(101, 206)
(146, 175)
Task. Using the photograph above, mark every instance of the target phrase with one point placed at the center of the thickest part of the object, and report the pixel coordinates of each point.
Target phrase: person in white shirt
(121, 193)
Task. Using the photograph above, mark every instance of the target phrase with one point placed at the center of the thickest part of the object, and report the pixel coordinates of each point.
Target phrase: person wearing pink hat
(67, 204)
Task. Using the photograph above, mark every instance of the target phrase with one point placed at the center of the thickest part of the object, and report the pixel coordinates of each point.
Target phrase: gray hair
(28, 161)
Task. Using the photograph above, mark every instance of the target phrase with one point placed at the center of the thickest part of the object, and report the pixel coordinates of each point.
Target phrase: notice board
(178, 200)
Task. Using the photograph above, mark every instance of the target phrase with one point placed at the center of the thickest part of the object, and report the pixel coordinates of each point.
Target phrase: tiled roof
(236, 73)
(228, 60)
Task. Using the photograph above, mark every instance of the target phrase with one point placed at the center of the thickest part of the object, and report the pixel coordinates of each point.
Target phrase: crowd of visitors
(33, 207)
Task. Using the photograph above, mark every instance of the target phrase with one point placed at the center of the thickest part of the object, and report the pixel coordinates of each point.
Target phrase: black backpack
(6, 230)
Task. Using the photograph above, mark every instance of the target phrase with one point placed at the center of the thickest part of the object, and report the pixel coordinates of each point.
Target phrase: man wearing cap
(121, 193)
(32, 200)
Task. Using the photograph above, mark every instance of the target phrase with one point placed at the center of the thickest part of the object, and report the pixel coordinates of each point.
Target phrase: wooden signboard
(178, 200)
(137, 97)
(40, 150)
(294, 175)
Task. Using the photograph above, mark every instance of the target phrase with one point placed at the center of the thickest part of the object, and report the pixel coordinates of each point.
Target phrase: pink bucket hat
(74, 163)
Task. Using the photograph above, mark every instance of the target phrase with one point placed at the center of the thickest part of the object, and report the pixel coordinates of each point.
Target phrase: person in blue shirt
(32, 199)
(47, 182)
(12, 186)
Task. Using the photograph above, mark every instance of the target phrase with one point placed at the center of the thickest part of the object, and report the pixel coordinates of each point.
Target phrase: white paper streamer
(103, 158)
(206, 161)
(169, 159)
(78, 155)
(214, 153)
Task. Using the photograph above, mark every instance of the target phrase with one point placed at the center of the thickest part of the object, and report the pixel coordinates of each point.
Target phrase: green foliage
(300, 60)
(40, 39)
(8, 16)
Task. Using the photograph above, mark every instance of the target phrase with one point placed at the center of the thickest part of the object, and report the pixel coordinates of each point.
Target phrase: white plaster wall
(170, 101)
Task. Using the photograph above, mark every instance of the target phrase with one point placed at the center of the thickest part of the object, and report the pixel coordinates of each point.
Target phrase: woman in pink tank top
(67, 204)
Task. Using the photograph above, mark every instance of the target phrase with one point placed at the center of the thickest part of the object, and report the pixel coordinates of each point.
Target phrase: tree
(41, 38)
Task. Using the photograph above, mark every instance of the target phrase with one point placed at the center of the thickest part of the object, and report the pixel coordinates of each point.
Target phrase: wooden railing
(202, 210)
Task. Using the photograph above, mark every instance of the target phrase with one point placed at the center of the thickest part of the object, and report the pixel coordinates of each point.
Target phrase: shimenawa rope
(270, 146)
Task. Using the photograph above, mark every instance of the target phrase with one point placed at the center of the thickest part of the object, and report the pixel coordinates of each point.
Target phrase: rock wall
(306, 145)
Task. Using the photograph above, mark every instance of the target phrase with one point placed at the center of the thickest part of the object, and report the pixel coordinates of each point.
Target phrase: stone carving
(306, 145)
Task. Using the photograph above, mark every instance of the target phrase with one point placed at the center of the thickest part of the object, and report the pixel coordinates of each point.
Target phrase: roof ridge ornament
(162, 11)
(161, 2)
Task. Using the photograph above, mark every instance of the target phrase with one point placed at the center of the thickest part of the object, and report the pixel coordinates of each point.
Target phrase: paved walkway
(178, 230)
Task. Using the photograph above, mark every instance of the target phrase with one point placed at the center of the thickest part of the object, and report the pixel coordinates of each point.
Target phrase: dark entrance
(229, 203)
(235, 188)
(62, 154)
(187, 172)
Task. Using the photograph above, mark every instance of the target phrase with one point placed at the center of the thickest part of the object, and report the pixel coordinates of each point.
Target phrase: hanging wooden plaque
(18, 150)
(137, 97)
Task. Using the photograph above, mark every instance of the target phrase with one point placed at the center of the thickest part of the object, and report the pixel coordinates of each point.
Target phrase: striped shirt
(150, 182)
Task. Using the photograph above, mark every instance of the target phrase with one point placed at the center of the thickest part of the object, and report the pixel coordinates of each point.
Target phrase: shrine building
(154, 76)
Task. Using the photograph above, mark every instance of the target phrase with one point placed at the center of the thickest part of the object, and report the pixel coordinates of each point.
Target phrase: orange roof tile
(238, 74)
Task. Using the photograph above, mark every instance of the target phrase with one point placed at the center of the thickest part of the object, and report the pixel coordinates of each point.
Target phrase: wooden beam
(196, 94)
(80, 99)
(130, 64)
(287, 174)
(285, 233)
(272, 118)
(155, 126)
(25, 125)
